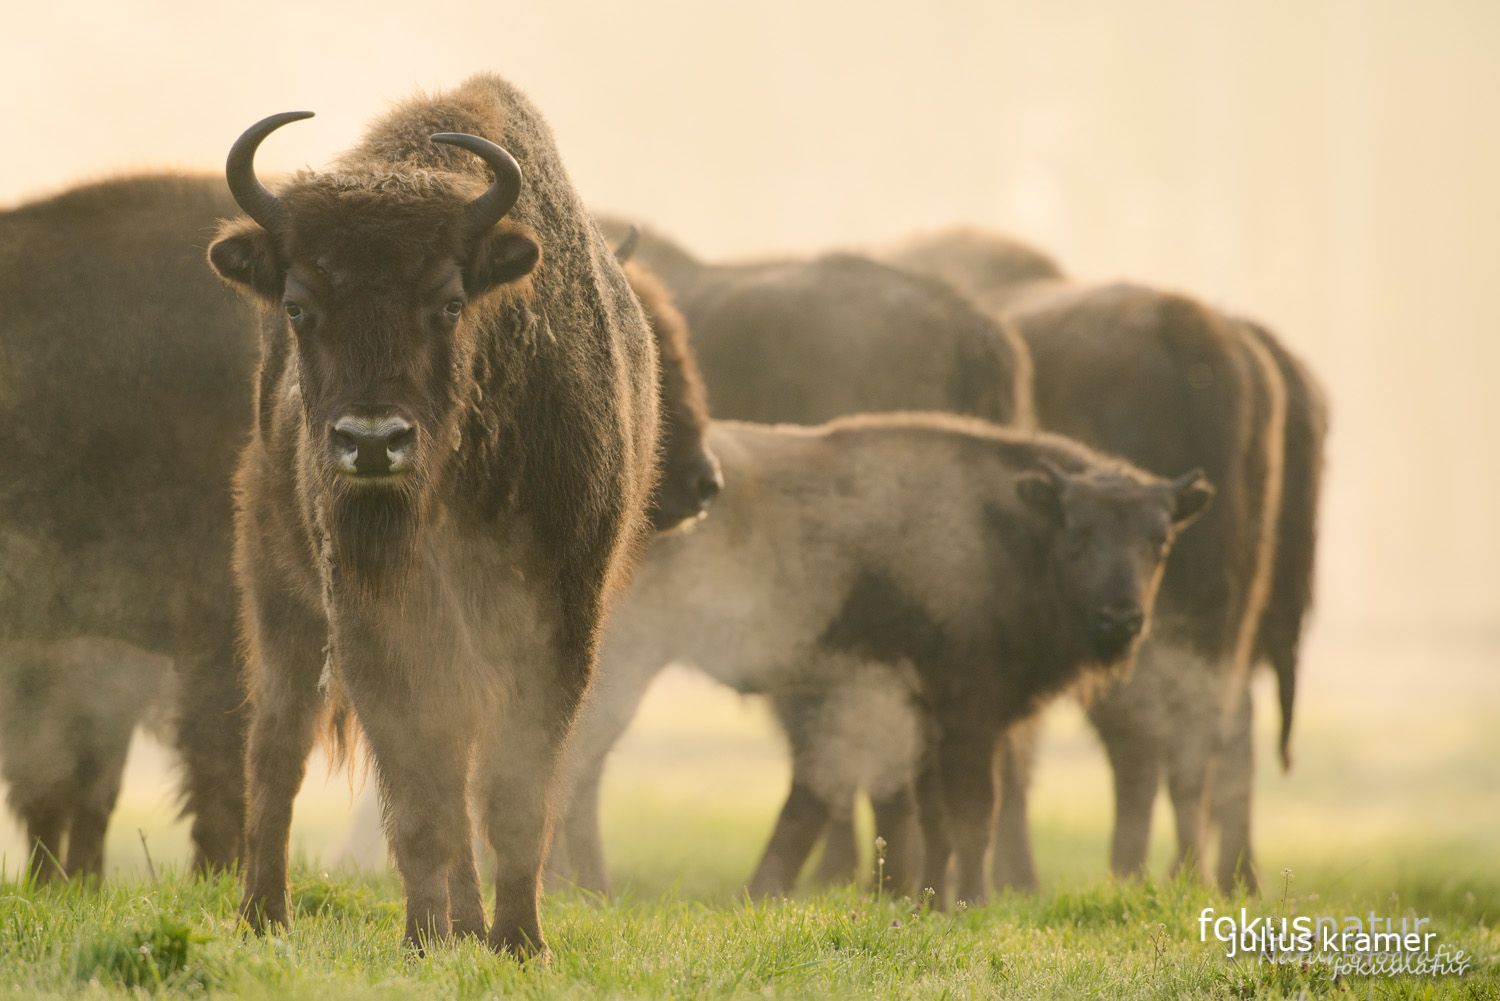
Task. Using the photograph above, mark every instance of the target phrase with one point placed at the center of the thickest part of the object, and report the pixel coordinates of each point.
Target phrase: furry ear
(246, 256)
(1191, 495)
(501, 257)
(1043, 494)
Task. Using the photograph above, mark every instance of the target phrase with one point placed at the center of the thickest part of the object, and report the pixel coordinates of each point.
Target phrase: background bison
(124, 384)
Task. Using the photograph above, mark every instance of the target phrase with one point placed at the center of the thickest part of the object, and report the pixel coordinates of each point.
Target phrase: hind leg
(1012, 862)
(803, 817)
(839, 865)
(46, 823)
(97, 787)
(212, 725)
(1135, 767)
(1231, 796)
(896, 822)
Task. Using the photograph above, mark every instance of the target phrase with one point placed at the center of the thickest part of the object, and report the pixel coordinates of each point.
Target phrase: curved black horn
(490, 207)
(627, 246)
(252, 196)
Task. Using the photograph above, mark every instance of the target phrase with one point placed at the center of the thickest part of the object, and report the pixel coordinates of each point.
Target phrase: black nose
(1123, 621)
(368, 446)
(708, 484)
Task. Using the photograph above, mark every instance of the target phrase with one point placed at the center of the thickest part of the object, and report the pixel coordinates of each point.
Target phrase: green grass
(1394, 807)
(1104, 940)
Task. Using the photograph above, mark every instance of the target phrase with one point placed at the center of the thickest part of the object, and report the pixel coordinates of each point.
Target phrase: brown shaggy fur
(941, 580)
(459, 608)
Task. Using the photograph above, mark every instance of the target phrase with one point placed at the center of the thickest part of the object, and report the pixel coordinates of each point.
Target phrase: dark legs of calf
(78, 812)
(803, 818)
(44, 832)
(840, 862)
(964, 763)
(1012, 863)
(1135, 765)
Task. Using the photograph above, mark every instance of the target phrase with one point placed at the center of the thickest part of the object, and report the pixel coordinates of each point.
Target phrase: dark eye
(453, 308)
(293, 311)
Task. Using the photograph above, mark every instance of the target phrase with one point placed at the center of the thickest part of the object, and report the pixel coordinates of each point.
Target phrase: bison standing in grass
(447, 481)
(933, 578)
(1163, 380)
(123, 385)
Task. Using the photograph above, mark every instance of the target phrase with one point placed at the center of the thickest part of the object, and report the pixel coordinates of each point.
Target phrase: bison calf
(938, 575)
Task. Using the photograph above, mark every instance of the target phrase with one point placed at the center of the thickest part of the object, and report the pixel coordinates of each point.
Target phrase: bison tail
(1297, 533)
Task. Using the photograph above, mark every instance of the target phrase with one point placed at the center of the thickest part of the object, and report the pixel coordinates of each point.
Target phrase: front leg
(965, 756)
(286, 642)
(422, 759)
(419, 700)
(932, 818)
(896, 822)
(1232, 793)
(1011, 859)
(519, 763)
(803, 817)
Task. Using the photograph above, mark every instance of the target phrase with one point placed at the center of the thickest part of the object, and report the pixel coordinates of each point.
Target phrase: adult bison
(1158, 378)
(128, 361)
(446, 482)
(124, 362)
(933, 578)
(809, 340)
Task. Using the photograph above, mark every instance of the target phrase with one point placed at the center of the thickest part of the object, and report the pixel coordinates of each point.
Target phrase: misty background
(1329, 168)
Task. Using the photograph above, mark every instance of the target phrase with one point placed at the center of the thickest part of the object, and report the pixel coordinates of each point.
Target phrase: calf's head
(1110, 533)
(377, 274)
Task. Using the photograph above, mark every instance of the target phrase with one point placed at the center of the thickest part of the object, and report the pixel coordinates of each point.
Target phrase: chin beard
(373, 532)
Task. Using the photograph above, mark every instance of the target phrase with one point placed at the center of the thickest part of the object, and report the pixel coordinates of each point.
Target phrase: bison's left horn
(490, 207)
(252, 196)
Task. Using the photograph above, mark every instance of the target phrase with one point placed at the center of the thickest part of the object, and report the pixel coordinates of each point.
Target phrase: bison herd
(441, 479)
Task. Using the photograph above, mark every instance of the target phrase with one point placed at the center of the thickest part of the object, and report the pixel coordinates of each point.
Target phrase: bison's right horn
(490, 207)
(252, 196)
(627, 246)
